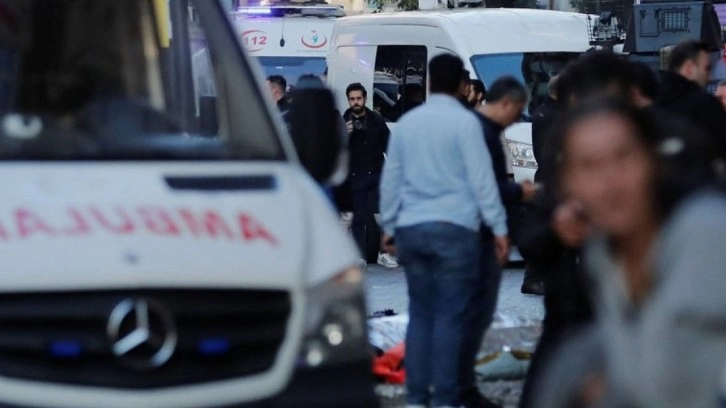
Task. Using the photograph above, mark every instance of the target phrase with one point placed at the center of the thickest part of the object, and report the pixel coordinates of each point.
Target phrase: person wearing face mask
(655, 258)
(367, 142)
(683, 92)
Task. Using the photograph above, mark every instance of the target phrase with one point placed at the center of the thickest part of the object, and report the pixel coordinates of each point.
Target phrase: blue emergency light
(213, 346)
(282, 11)
(65, 349)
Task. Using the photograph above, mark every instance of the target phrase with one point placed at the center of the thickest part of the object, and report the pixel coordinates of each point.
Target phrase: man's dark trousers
(480, 312)
(442, 270)
(366, 231)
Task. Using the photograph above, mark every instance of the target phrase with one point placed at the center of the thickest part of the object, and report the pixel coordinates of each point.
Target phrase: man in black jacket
(367, 143)
(689, 71)
(505, 102)
(278, 90)
(542, 122)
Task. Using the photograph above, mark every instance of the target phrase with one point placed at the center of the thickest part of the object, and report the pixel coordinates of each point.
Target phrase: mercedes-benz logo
(142, 333)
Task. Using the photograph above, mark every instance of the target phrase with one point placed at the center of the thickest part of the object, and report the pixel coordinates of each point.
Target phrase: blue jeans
(442, 270)
(480, 313)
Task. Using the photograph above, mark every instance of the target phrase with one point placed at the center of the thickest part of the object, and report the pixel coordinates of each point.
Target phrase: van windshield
(534, 70)
(131, 79)
(292, 68)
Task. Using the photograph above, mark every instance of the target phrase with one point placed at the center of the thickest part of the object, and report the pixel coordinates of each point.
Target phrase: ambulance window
(136, 79)
(399, 80)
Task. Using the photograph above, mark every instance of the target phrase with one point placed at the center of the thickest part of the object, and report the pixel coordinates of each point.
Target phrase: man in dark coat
(683, 92)
(278, 90)
(367, 144)
(542, 122)
(505, 102)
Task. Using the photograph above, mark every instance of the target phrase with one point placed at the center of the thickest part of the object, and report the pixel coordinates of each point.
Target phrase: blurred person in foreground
(303, 145)
(505, 103)
(554, 232)
(683, 91)
(721, 93)
(437, 188)
(655, 256)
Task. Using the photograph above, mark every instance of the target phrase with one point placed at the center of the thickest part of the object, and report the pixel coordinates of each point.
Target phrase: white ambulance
(161, 245)
(532, 45)
(288, 40)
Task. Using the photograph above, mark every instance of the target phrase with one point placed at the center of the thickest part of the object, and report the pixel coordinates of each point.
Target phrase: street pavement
(386, 289)
(517, 326)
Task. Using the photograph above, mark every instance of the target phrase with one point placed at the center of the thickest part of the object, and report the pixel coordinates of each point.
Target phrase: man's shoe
(474, 399)
(387, 261)
(533, 287)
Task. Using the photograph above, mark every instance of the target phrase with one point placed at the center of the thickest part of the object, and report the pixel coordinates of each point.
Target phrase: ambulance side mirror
(315, 127)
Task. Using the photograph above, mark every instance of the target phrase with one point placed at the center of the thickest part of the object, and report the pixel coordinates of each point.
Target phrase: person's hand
(388, 245)
(349, 126)
(529, 189)
(570, 223)
(501, 249)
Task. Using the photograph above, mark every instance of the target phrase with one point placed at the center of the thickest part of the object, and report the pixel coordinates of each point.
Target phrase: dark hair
(356, 86)
(592, 75)
(279, 81)
(685, 51)
(445, 73)
(645, 79)
(309, 81)
(681, 166)
(507, 87)
(478, 86)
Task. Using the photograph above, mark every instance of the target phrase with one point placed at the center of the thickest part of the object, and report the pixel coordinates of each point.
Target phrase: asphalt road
(516, 326)
(386, 289)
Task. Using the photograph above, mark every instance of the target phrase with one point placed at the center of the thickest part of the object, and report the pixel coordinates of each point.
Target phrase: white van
(160, 244)
(380, 50)
(288, 40)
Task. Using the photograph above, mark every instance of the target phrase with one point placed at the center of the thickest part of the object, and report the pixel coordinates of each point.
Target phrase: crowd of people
(623, 231)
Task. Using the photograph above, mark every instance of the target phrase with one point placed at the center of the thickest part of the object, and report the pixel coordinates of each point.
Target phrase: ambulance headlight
(335, 322)
(522, 154)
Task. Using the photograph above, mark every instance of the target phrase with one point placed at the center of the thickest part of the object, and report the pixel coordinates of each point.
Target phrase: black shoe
(533, 287)
(532, 284)
(474, 399)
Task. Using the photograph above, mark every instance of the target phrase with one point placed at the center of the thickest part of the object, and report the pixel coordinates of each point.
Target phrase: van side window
(399, 80)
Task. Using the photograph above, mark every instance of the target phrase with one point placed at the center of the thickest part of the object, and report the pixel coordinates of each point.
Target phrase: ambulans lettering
(209, 223)
(86, 221)
(158, 221)
(29, 224)
(252, 230)
(78, 226)
(123, 224)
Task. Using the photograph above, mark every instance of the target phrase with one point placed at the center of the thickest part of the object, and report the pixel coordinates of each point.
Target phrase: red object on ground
(389, 366)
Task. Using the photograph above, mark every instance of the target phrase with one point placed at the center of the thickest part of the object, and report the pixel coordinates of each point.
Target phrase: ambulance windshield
(132, 79)
(292, 68)
(534, 70)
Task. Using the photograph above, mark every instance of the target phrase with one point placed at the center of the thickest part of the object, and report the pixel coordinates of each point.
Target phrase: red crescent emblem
(314, 45)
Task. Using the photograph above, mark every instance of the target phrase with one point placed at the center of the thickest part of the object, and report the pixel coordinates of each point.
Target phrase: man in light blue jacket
(437, 188)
